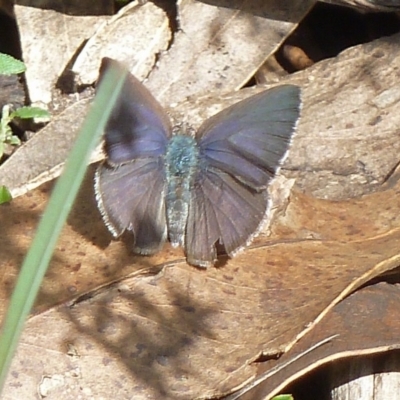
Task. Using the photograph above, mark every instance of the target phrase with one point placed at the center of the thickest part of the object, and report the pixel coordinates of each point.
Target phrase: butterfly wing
(138, 125)
(222, 210)
(241, 150)
(250, 139)
(131, 197)
(130, 185)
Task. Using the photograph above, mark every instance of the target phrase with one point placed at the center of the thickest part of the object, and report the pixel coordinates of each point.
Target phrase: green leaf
(30, 112)
(10, 66)
(5, 195)
(283, 397)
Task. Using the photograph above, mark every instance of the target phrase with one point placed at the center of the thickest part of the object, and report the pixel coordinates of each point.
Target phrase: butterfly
(198, 189)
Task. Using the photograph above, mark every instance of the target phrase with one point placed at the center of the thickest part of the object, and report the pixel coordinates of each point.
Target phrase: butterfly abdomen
(181, 160)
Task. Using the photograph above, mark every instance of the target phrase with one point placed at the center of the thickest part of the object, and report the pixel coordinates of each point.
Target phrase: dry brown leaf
(367, 322)
(85, 259)
(355, 123)
(359, 219)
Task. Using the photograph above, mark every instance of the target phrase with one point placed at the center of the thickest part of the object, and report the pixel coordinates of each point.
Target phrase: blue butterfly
(198, 189)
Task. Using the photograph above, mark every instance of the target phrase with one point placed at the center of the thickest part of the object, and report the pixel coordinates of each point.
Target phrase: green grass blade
(5, 195)
(60, 203)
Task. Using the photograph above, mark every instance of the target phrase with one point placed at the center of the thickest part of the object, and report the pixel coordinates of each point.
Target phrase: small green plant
(6, 134)
(12, 66)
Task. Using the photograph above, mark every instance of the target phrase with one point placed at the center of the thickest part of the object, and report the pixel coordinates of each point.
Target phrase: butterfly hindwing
(131, 197)
(222, 210)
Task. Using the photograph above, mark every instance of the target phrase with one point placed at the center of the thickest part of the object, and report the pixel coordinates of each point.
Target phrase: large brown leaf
(179, 332)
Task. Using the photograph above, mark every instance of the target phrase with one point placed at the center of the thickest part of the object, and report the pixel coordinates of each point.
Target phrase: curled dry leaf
(41, 158)
(367, 322)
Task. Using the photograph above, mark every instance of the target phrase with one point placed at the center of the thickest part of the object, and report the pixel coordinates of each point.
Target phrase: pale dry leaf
(221, 44)
(42, 158)
(45, 58)
(135, 36)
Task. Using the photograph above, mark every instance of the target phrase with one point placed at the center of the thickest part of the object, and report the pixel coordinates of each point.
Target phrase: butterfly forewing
(138, 125)
(249, 139)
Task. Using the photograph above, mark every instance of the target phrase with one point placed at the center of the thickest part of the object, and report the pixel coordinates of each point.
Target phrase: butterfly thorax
(181, 159)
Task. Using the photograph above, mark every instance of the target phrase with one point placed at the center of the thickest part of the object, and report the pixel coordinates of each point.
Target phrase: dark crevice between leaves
(328, 30)
(317, 383)
(325, 32)
(66, 82)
